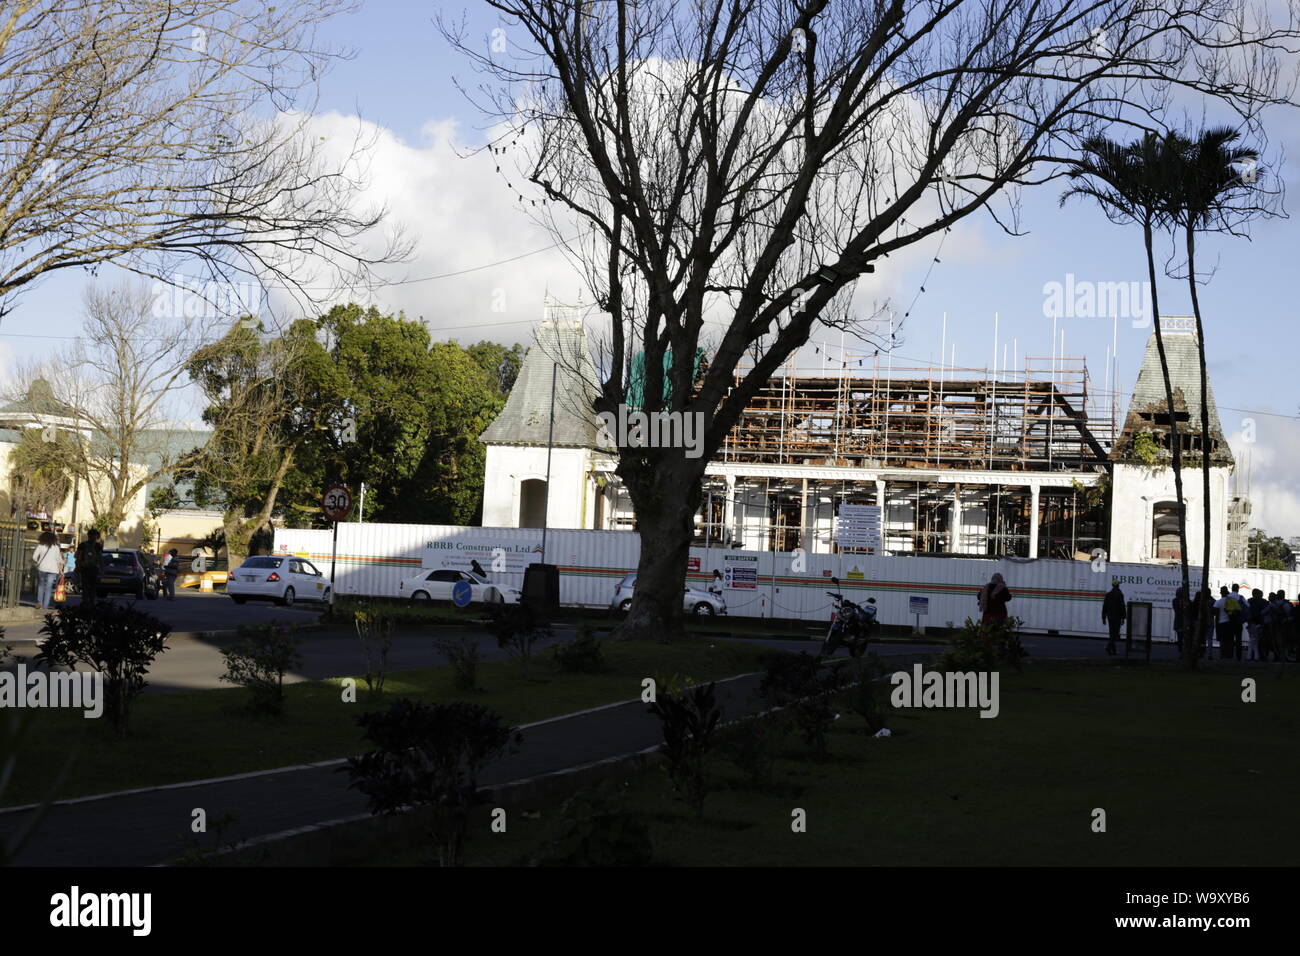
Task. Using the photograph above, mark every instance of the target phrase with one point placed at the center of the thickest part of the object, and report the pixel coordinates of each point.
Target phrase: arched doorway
(1164, 531)
(532, 503)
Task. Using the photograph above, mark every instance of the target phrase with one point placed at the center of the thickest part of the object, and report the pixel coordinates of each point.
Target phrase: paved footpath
(143, 828)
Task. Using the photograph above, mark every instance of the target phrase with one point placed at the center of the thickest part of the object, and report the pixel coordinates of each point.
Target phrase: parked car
(437, 586)
(280, 578)
(129, 571)
(694, 601)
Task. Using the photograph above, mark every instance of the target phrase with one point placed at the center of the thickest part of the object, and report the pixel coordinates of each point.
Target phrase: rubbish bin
(542, 588)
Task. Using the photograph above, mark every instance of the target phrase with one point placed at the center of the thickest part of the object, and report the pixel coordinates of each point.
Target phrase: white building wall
(569, 504)
(1135, 493)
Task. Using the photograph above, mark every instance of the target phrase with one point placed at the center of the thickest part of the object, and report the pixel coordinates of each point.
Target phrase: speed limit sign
(336, 502)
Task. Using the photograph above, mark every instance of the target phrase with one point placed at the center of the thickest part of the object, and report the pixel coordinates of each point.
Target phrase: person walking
(70, 569)
(48, 559)
(1182, 607)
(1114, 612)
(1255, 608)
(992, 600)
(89, 553)
(171, 568)
(1236, 621)
(1221, 627)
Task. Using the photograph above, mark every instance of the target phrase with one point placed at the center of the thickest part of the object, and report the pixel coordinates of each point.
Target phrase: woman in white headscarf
(993, 598)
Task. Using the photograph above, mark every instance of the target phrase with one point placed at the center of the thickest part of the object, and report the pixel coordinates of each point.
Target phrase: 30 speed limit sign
(336, 502)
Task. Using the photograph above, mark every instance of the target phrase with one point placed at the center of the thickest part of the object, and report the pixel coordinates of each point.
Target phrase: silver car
(694, 601)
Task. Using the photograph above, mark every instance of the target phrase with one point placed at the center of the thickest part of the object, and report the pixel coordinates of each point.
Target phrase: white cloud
(1273, 463)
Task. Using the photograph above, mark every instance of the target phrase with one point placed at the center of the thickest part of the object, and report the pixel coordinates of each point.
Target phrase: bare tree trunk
(666, 523)
(1175, 442)
(1205, 428)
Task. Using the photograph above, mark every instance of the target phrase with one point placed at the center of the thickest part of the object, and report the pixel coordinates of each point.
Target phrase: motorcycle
(851, 625)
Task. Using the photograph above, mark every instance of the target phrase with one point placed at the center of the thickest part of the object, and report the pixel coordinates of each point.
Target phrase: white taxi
(437, 586)
(277, 577)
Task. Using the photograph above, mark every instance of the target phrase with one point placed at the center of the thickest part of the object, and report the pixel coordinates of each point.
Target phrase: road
(193, 659)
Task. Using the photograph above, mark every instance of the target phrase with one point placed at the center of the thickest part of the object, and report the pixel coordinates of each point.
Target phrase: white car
(277, 577)
(437, 586)
(694, 601)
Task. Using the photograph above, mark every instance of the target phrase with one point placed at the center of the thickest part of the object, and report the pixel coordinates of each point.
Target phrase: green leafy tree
(403, 416)
(1266, 552)
(266, 399)
(500, 362)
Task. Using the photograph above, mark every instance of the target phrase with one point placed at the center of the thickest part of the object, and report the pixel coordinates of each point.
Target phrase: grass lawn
(1187, 773)
(188, 736)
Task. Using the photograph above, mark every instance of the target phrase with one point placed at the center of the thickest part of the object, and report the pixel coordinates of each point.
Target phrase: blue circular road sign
(461, 593)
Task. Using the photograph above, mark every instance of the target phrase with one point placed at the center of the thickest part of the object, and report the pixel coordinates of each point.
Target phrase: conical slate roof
(560, 345)
(39, 400)
(1147, 410)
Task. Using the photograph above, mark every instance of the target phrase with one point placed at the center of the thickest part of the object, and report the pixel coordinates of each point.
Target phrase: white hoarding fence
(1048, 595)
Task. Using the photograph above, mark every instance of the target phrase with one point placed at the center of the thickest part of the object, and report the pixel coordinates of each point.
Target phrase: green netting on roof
(636, 378)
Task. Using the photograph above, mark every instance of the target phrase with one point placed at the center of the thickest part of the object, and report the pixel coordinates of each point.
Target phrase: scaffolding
(1042, 420)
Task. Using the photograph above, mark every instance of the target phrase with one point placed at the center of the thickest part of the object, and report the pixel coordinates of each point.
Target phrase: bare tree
(736, 165)
(150, 133)
(122, 380)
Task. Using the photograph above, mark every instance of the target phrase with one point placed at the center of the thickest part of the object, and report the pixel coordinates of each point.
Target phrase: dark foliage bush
(595, 829)
(862, 694)
(259, 659)
(518, 629)
(115, 640)
(751, 745)
(805, 690)
(582, 655)
(689, 719)
(429, 756)
(983, 647)
(464, 657)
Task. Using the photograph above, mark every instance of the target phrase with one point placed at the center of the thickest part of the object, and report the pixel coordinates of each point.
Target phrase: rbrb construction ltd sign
(492, 554)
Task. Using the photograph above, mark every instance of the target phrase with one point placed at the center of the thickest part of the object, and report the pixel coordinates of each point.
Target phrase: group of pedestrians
(56, 568)
(1267, 623)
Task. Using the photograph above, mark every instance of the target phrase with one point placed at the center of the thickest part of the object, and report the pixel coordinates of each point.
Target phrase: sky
(477, 271)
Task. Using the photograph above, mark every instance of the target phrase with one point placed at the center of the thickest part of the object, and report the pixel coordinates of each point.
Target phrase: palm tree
(1203, 193)
(1132, 184)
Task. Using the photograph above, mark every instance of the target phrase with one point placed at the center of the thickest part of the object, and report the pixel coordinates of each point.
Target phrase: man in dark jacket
(89, 553)
(1255, 608)
(1114, 611)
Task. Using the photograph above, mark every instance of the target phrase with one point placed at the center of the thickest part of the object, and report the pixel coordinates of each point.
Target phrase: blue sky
(401, 81)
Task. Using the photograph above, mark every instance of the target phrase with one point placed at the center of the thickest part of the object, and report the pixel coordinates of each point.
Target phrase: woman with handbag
(48, 559)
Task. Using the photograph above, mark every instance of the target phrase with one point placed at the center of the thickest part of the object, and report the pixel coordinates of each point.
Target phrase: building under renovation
(962, 462)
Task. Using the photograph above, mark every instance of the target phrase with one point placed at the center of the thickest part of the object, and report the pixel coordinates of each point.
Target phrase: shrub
(596, 830)
(800, 684)
(463, 656)
(751, 746)
(115, 640)
(689, 720)
(983, 646)
(429, 756)
(259, 659)
(787, 677)
(517, 629)
(859, 693)
(375, 631)
(582, 655)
